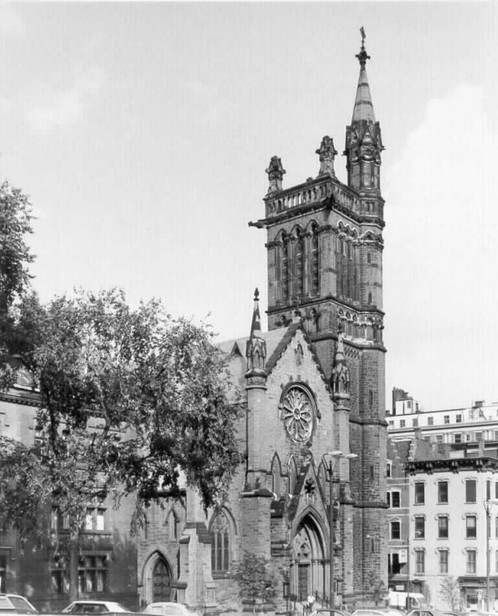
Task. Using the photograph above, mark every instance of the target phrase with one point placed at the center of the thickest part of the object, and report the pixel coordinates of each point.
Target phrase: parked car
(168, 608)
(93, 607)
(15, 604)
(325, 612)
(434, 612)
(378, 611)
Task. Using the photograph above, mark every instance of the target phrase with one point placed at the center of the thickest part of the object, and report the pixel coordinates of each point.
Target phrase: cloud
(10, 21)
(441, 287)
(65, 107)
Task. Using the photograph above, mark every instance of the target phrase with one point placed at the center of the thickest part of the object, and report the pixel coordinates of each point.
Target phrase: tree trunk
(74, 552)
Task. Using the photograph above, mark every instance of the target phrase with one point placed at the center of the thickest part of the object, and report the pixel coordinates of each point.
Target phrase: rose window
(297, 414)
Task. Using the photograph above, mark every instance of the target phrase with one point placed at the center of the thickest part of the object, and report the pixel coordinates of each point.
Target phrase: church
(310, 495)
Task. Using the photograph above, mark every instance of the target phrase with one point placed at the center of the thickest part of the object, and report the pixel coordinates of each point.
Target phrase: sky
(142, 131)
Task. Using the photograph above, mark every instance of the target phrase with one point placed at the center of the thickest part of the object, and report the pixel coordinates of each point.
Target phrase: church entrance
(308, 575)
(161, 582)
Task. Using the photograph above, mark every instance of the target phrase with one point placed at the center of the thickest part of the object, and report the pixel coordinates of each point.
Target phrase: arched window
(292, 475)
(173, 526)
(276, 475)
(315, 277)
(339, 266)
(220, 547)
(284, 272)
(299, 265)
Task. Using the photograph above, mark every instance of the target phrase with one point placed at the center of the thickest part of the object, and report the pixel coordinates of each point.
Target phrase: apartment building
(443, 522)
(477, 422)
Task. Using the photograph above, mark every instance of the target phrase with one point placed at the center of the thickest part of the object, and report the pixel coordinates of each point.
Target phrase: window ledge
(221, 575)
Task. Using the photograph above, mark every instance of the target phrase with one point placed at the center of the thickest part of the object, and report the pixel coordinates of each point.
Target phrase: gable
(308, 496)
(293, 360)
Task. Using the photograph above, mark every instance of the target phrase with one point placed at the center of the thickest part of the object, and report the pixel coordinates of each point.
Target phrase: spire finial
(256, 345)
(326, 152)
(363, 56)
(256, 318)
(275, 173)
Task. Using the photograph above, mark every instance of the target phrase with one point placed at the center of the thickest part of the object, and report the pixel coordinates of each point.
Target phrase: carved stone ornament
(297, 414)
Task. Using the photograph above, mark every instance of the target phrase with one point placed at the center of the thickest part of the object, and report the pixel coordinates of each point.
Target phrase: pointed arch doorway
(157, 579)
(309, 573)
(161, 581)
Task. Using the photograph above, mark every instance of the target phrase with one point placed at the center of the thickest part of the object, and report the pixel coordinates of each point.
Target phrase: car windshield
(21, 604)
(6, 605)
(168, 610)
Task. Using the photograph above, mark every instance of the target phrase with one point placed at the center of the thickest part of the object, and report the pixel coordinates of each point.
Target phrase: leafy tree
(15, 223)
(129, 401)
(255, 579)
(451, 593)
(378, 590)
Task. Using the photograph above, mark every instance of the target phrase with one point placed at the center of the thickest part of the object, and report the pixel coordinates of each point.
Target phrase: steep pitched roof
(277, 341)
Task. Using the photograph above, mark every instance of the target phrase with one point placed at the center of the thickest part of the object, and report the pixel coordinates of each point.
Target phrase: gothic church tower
(324, 242)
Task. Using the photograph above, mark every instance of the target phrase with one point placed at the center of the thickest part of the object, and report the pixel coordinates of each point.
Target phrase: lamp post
(333, 455)
(487, 507)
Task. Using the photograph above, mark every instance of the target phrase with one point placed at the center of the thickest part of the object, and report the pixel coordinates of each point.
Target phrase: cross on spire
(363, 56)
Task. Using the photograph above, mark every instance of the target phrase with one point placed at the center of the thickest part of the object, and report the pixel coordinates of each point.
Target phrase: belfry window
(315, 280)
(297, 264)
(282, 270)
(220, 547)
(300, 265)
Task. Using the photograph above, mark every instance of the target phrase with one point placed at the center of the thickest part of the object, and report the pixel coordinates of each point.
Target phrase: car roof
(12, 603)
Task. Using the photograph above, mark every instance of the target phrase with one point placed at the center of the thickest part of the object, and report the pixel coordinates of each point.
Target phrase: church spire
(363, 107)
(363, 138)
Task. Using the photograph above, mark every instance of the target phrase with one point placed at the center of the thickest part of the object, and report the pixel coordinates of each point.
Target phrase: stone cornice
(22, 399)
(326, 204)
(324, 300)
(453, 465)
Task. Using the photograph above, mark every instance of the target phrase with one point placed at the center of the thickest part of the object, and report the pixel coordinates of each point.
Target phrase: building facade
(107, 554)
(443, 523)
(478, 422)
(400, 511)
(454, 528)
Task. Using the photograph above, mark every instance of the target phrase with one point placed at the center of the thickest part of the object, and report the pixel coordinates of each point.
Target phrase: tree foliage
(130, 401)
(15, 223)
(255, 578)
(451, 593)
(378, 590)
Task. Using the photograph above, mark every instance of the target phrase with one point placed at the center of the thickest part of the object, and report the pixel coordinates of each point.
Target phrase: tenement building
(443, 516)
(310, 496)
(454, 529)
